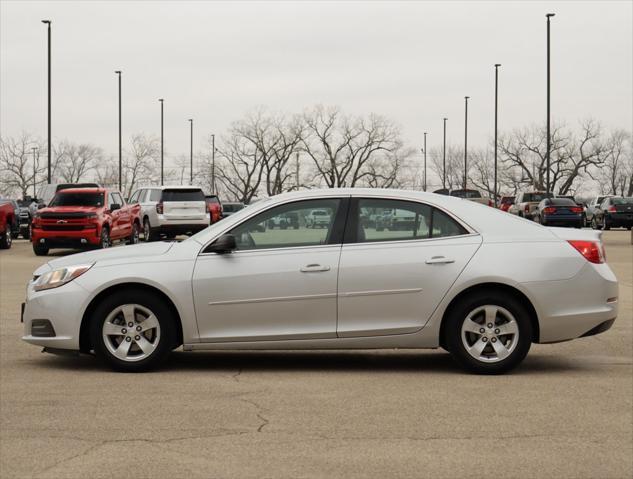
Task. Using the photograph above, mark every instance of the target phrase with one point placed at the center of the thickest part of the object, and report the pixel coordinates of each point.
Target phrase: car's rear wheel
(488, 333)
(133, 331)
(594, 223)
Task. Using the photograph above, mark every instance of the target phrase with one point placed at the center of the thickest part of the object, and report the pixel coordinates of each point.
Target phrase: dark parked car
(559, 212)
(614, 212)
(229, 208)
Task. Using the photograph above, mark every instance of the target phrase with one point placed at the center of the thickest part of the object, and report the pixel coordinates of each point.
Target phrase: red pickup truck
(85, 217)
(6, 220)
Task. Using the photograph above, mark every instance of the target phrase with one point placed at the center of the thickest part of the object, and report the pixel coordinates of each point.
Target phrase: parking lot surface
(566, 412)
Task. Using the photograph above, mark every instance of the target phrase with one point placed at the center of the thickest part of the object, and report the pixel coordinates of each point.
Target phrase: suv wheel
(133, 331)
(488, 333)
(148, 235)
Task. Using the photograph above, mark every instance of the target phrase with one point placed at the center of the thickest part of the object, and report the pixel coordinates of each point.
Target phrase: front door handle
(314, 268)
(439, 260)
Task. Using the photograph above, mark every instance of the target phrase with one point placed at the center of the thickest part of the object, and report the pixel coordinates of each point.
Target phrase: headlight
(59, 277)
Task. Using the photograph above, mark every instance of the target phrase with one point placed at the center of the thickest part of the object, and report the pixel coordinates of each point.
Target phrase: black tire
(134, 237)
(166, 342)
(40, 250)
(104, 240)
(605, 224)
(148, 233)
(458, 315)
(6, 240)
(594, 223)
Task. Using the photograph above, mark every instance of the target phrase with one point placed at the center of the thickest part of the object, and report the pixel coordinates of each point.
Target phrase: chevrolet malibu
(471, 279)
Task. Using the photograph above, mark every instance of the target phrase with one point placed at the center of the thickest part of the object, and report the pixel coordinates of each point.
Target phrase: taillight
(490, 203)
(612, 209)
(549, 209)
(159, 208)
(527, 208)
(576, 209)
(593, 251)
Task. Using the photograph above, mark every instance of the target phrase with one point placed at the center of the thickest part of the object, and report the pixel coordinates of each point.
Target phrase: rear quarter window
(182, 194)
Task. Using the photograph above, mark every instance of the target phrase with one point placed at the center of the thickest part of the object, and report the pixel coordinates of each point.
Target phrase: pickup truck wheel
(6, 240)
(594, 223)
(40, 250)
(148, 235)
(104, 242)
(133, 239)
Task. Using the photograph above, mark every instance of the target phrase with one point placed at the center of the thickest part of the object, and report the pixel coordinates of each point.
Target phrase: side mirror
(115, 206)
(224, 244)
(40, 206)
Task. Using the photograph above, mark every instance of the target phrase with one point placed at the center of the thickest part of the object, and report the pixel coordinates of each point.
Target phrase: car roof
(168, 187)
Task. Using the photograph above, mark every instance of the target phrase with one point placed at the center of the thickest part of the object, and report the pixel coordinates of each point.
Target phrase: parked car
(480, 283)
(84, 217)
(14, 225)
(593, 204)
(171, 210)
(233, 207)
(7, 214)
(614, 212)
(472, 195)
(214, 207)
(525, 203)
(506, 202)
(318, 219)
(559, 212)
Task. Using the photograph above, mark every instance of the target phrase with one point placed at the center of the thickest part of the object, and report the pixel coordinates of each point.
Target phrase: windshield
(466, 193)
(622, 201)
(77, 199)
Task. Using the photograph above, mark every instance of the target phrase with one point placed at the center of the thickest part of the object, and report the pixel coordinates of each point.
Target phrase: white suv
(171, 210)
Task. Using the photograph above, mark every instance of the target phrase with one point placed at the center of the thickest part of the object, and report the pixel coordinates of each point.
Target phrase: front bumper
(63, 307)
(61, 239)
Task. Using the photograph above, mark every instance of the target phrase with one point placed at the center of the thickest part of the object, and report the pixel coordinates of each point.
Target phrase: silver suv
(171, 210)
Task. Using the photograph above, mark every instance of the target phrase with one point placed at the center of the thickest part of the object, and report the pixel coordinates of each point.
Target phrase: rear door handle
(314, 268)
(439, 260)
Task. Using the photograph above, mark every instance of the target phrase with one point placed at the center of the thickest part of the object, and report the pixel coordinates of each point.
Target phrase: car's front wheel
(133, 331)
(6, 240)
(488, 333)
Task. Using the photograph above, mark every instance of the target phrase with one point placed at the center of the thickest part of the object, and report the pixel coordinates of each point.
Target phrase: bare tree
(616, 174)
(18, 171)
(140, 164)
(341, 147)
(75, 161)
(454, 165)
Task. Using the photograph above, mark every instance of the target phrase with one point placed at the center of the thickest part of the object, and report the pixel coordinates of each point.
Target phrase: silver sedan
(444, 272)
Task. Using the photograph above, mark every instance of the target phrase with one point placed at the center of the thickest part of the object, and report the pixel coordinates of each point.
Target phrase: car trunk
(184, 204)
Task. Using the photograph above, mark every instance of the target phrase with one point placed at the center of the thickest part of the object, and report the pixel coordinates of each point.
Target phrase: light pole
(48, 22)
(549, 146)
(118, 72)
(162, 177)
(191, 151)
(495, 191)
(213, 163)
(34, 149)
(444, 158)
(465, 139)
(425, 161)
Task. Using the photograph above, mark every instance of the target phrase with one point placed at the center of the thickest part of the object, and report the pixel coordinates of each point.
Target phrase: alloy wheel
(490, 333)
(131, 332)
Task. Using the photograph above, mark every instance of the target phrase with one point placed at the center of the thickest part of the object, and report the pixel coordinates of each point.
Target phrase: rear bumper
(60, 239)
(180, 228)
(563, 220)
(624, 220)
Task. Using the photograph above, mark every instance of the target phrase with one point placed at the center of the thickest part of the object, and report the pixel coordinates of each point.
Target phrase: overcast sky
(215, 61)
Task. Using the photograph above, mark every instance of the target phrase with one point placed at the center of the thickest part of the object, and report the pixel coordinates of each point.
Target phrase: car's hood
(70, 209)
(129, 253)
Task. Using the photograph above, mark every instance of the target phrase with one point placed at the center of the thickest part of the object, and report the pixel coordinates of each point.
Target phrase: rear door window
(183, 194)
